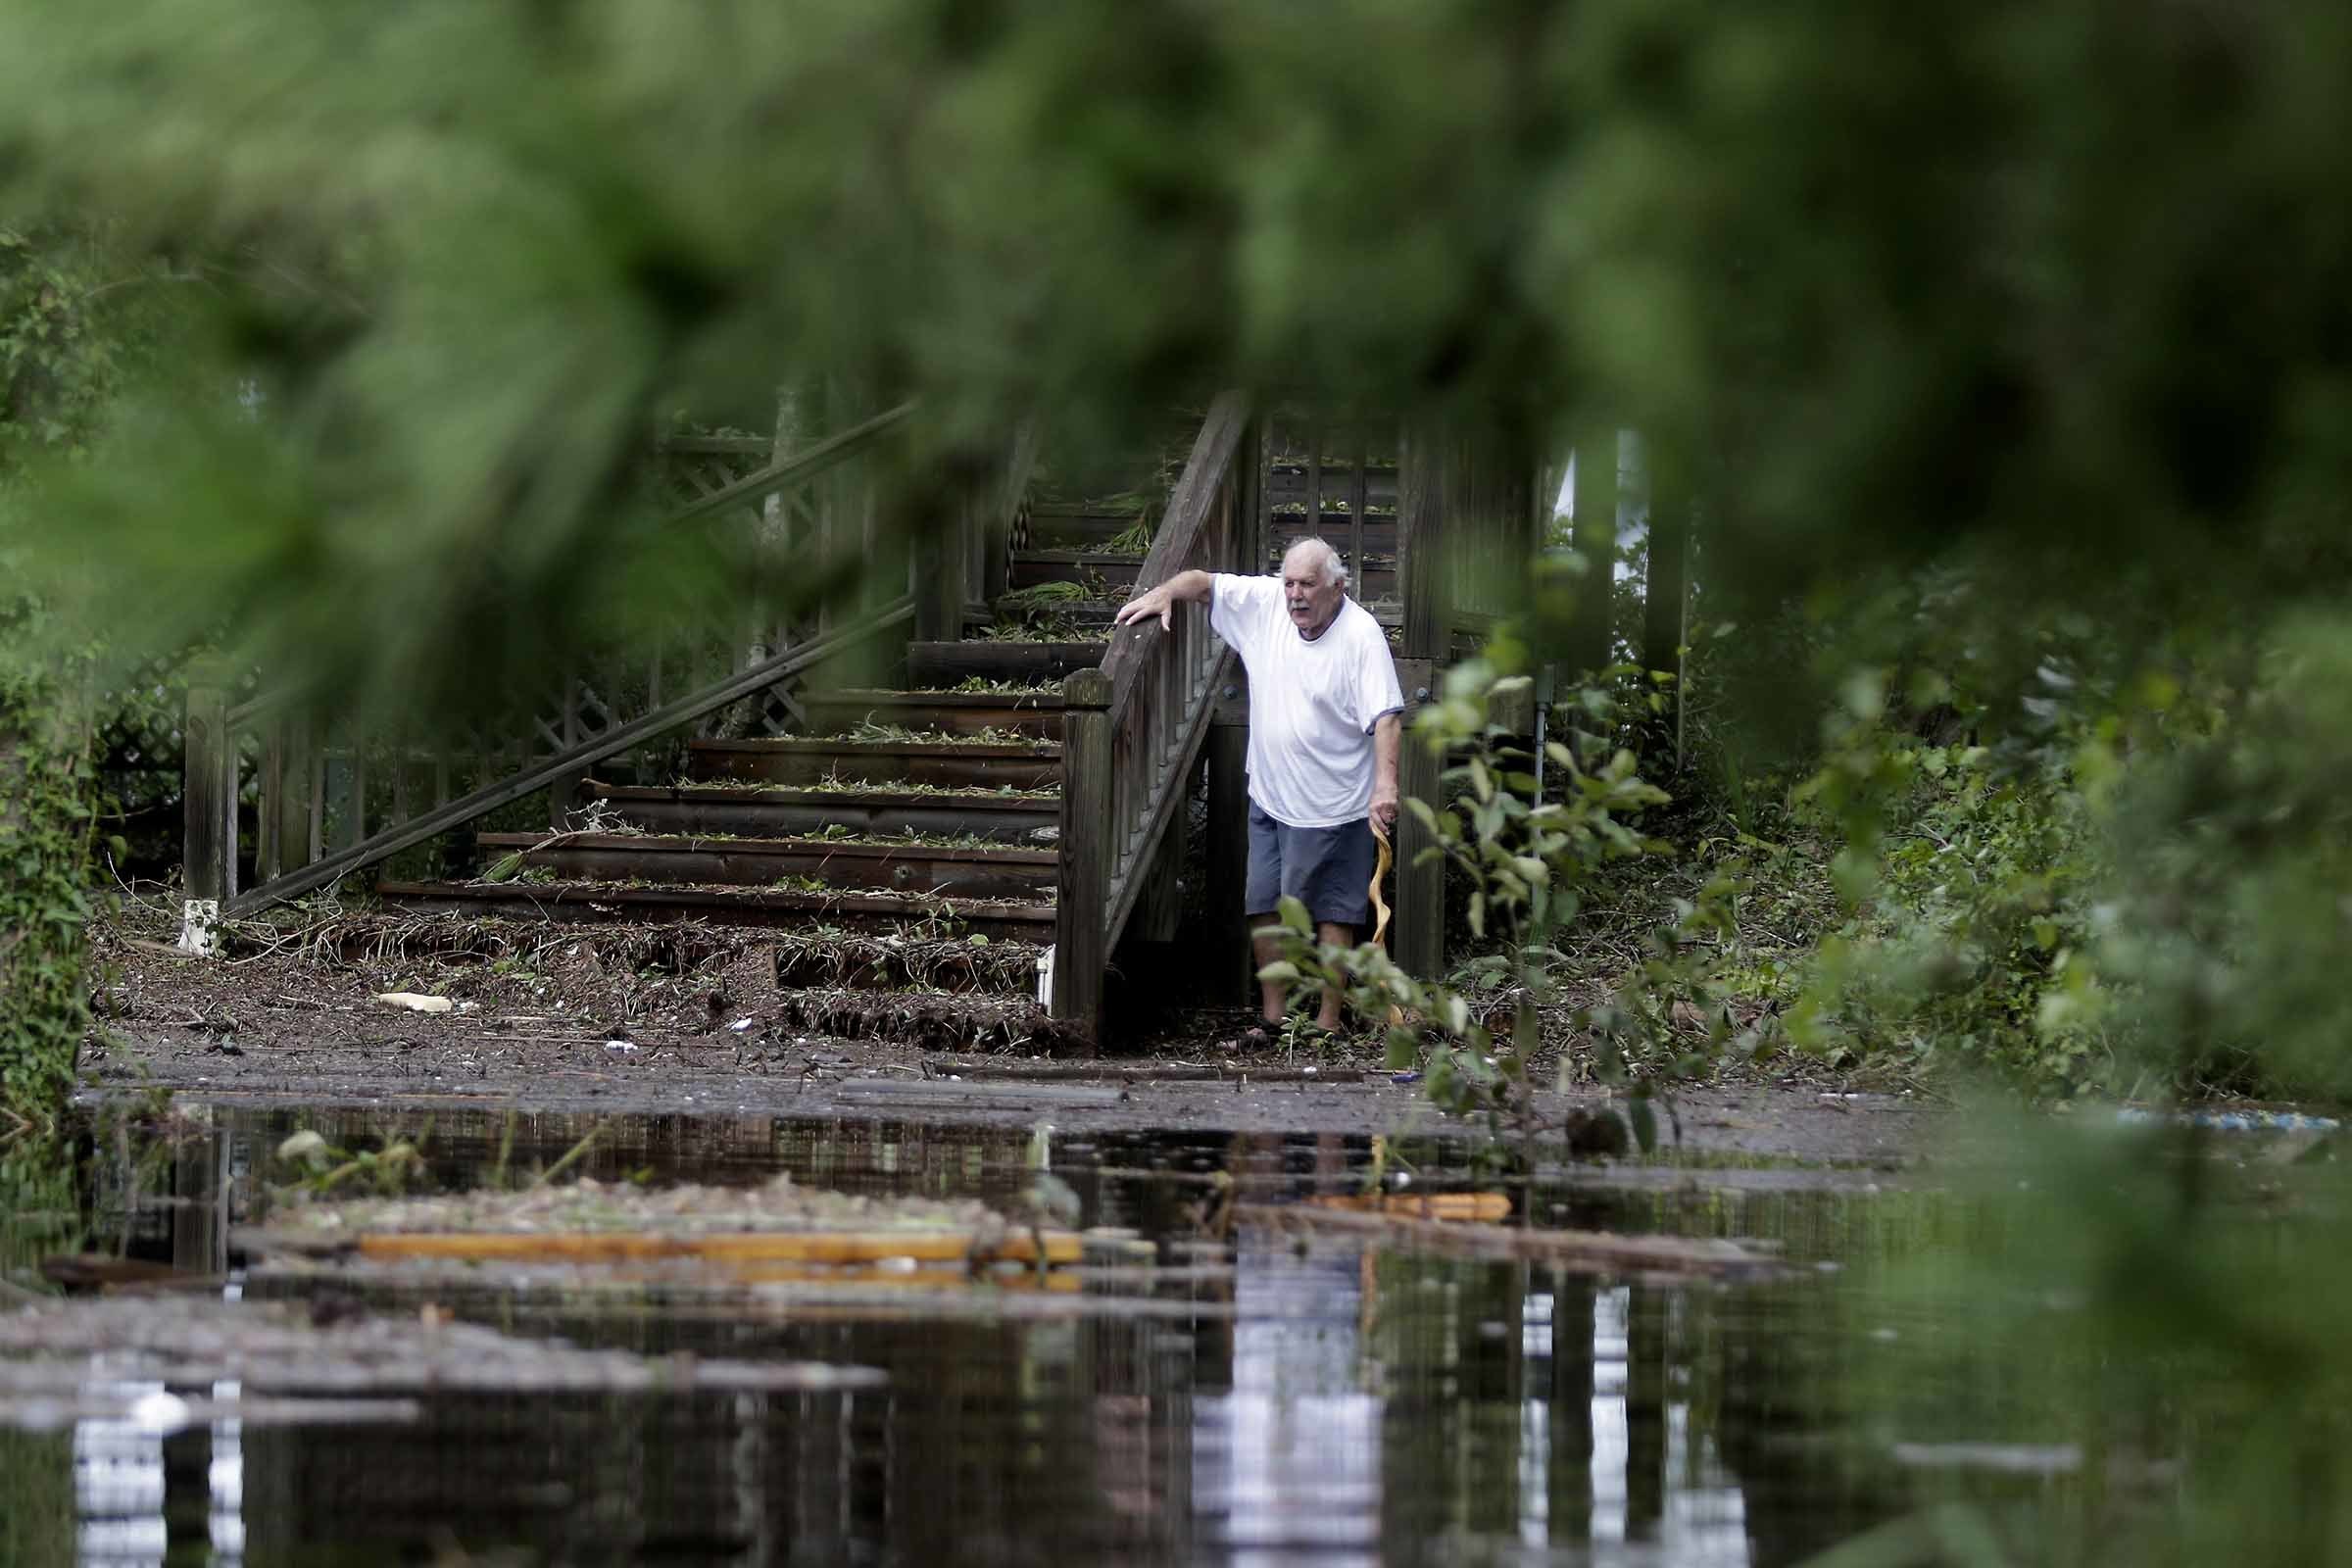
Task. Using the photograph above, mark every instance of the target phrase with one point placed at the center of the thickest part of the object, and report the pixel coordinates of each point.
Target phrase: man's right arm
(1184, 588)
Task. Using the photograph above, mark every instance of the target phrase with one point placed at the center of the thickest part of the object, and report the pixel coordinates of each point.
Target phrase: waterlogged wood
(1593, 1251)
(835, 1248)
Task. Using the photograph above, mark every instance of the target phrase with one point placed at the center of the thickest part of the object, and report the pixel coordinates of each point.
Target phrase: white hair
(1329, 568)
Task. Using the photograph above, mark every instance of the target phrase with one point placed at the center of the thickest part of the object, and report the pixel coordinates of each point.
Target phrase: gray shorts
(1329, 869)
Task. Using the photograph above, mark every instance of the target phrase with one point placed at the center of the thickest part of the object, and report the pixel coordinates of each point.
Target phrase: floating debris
(593, 1224)
(591, 1206)
(415, 1001)
(1482, 1207)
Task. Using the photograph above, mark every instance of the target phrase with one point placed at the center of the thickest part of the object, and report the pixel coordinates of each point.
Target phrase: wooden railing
(1133, 727)
(333, 801)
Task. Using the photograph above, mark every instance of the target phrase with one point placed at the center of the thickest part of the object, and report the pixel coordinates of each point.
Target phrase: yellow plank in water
(749, 1247)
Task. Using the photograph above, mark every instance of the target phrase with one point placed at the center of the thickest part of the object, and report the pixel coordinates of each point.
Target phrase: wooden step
(1021, 874)
(604, 902)
(1285, 528)
(783, 812)
(1034, 713)
(1112, 577)
(1092, 613)
(1061, 525)
(1030, 765)
(1290, 484)
(854, 961)
(1032, 568)
(942, 664)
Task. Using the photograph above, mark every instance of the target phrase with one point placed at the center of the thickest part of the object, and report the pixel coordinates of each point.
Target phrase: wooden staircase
(931, 807)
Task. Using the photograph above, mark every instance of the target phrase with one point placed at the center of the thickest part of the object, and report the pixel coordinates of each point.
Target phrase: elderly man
(1323, 734)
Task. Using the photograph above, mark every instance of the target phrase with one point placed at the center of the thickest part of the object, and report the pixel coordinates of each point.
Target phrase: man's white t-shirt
(1312, 704)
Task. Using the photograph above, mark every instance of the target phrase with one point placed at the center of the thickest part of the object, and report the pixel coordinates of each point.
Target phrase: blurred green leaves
(2054, 294)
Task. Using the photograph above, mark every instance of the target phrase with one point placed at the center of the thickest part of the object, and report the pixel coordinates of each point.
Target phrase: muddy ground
(691, 1019)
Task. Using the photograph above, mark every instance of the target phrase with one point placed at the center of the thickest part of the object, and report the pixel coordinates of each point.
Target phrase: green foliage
(83, 313)
(1529, 854)
(45, 820)
(1971, 881)
(2162, 1310)
(1133, 540)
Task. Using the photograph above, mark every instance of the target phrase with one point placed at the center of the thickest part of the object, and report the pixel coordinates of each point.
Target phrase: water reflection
(1329, 1405)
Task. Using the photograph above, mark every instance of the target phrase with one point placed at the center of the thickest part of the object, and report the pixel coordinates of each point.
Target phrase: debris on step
(933, 1022)
(851, 960)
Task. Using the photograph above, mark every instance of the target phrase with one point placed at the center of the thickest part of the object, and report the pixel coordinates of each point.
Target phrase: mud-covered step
(858, 960)
(989, 1022)
(1380, 532)
(1035, 713)
(972, 871)
(1067, 525)
(1015, 764)
(1095, 615)
(943, 665)
(781, 812)
(1111, 574)
(1290, 482)
(607, 903)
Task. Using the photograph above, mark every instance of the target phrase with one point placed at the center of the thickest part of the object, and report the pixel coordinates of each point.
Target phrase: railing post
(937, 580)
(1230, 965)
(1083, 891)
(1417, 932)
(206, 797)
(1666, 596)
(292, 831)
(1589, 634)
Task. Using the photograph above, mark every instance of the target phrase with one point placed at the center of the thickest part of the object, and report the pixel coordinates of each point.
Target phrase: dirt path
(561, 1022)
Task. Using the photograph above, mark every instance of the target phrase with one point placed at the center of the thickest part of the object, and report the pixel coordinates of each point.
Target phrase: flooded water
(1332, 1403)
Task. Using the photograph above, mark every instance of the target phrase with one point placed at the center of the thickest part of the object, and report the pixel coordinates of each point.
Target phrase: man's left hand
(1383, 813)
